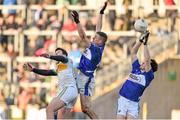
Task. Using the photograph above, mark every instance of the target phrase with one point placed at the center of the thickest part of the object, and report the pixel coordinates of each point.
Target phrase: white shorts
(85, 84)
(126, 107)
(68, 95)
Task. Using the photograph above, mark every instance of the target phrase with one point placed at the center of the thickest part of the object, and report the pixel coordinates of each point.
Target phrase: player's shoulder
(70, 61)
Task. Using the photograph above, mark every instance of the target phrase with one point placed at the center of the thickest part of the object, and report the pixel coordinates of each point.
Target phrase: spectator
(3, 38)
(82, 2)
(69, 26)
(112, 15)
(31, 48)
(91, 23)
(49, 2)
(9, 2)
(2, 23)
(10, 51)
(11, 23)
(55, 24)
(40, 13)
(21, 23)
(23, 99)
(22, 2)
(47, 46)
(120, 21)
(62, 2)
(171, 13)
(73, 2)
(20, 73)
(41, 24)
(75, 55)
(3, 106)
(42, 96)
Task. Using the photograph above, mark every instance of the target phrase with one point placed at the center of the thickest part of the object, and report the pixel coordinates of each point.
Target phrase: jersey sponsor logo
(87, 53)
(140, 79)
(61, 67)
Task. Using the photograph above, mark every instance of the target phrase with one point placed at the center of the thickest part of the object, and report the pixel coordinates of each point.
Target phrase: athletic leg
(130, 117)
(133, 110)
(69, 96)
(122, 108)
(63, 113)
(86, 106)
(54, 105)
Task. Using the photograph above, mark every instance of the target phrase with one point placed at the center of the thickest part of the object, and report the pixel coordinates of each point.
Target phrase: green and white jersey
(65, 74)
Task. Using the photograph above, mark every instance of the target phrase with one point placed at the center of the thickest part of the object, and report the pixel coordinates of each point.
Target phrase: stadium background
(31, 27)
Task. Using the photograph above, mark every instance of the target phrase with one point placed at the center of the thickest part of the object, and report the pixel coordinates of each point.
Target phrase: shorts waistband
(121, 97)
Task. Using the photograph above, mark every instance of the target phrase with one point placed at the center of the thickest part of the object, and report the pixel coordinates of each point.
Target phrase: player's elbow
(133, 53)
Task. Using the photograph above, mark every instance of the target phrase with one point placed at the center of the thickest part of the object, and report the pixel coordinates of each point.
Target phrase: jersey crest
(61, 66)
(87, 53)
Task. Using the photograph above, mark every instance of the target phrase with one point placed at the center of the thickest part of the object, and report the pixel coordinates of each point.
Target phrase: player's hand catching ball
(144, 37)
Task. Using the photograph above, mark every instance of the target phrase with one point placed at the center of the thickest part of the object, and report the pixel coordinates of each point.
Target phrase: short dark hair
(103, 35)
(154, 65)
(63, 51)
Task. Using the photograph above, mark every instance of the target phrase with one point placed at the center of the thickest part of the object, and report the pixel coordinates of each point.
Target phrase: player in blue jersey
(89, 61)
(138, 80)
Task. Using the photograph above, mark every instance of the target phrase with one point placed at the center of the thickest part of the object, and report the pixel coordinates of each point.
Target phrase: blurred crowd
(17, 98)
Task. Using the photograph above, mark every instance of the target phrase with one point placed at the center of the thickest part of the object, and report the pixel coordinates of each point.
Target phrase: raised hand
(104, 7)
(75, 16)
(28, 67)
(144, 37)
(45, 55)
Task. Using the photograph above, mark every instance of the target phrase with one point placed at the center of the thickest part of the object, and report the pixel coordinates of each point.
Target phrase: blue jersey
(90, 59)
(136, 83)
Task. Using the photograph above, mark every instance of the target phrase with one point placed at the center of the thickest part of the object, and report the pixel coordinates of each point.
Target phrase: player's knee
(85, 108)
(49, 109)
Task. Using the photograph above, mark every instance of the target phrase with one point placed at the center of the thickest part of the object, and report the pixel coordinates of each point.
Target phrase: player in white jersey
(139, 79)
(66, 82)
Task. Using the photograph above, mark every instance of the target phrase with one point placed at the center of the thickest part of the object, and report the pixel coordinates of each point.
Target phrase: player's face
(143, 65)
(97, 39)
(59, 52)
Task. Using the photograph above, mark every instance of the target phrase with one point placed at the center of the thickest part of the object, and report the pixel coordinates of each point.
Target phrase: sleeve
(135, 66)
(149, 77)
(59, 58)
(44, 72)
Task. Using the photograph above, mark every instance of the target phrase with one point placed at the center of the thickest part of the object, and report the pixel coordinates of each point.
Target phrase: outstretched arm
(81, 32)
(99, 21)
(44, 72)
(31, 68)
(143, 39)
(147, 54)
(135, 50)
(147, 58)
(55, 57)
